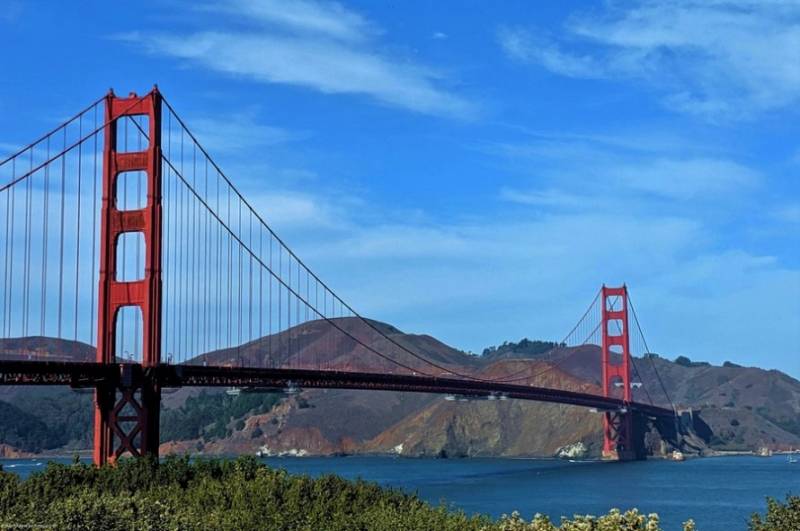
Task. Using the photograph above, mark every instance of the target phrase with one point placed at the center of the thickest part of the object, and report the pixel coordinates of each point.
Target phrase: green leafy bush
(243, 494)
(779, 517)
(615, 520)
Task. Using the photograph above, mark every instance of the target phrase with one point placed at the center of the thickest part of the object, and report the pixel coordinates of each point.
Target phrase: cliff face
(498, 428)
(736, 408)
(336, 422)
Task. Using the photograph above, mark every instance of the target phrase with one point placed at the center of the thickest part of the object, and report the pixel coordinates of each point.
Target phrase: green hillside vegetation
(64, 419)
(47, 421)
(22, 430)
(209, 415)
(525, 348)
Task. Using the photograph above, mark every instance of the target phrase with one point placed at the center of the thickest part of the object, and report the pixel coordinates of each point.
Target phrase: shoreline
(711, 454)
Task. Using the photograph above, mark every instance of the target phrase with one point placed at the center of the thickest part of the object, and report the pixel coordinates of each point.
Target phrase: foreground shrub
(614, 521)
(779, 517)
(243, 494)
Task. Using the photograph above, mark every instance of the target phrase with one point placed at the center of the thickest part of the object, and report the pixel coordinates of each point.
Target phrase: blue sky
(473, 170)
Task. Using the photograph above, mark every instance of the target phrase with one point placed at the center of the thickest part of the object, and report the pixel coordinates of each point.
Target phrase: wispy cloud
(315, 18)
(574, 171)
(715, 59)
(789, 213)
(318, 45)
(289, 210)
(239, 132)
(549, 197)
(529, 47)
(689, 178)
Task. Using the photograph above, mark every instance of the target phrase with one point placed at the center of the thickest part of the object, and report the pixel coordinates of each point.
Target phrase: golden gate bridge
(132, 257)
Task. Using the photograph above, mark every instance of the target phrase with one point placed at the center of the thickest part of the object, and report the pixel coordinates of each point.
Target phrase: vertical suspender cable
(271, 352)
(218, 302)
(7, 256)
(169, 274)
(229, 271)
(182, 267)
(61, 237)
(45, 224)
(94, 233)
(280, 302)
(250, 291)
(206, 268)
(78, 228)
(260, 284)
(166, 253)
(239, 302)
(27, 252)
(11, 252)
(194, 243)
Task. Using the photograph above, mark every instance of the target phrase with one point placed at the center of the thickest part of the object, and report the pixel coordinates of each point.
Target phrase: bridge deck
(77, 374)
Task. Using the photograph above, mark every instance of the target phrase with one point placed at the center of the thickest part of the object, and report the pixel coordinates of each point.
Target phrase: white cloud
(287, 210)
(689, 178)
(716, 59)
(789, 213)
(604, 171)
(316, 45)
(329, 19)
(528, 47)
(550, 197)
(238, 132)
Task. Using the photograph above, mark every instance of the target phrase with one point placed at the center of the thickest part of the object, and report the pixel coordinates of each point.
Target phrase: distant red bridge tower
(618, 430)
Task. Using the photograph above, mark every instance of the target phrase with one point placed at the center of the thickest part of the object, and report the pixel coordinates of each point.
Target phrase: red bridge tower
(127, 409)
(618, 435)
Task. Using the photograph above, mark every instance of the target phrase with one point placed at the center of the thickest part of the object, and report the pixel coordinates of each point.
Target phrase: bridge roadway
(83, 375)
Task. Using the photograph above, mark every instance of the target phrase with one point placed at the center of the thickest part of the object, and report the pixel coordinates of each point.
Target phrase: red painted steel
(84, 375)
(616, 359)
(127, 413)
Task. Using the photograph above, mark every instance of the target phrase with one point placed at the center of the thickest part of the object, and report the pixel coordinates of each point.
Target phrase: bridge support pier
(620, 428)
(127, 412)
(127, 409)
(623, 436)
(618, 436)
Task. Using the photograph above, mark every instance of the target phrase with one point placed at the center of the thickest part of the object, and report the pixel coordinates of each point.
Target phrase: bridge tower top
(145, 293)
(616, 342)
